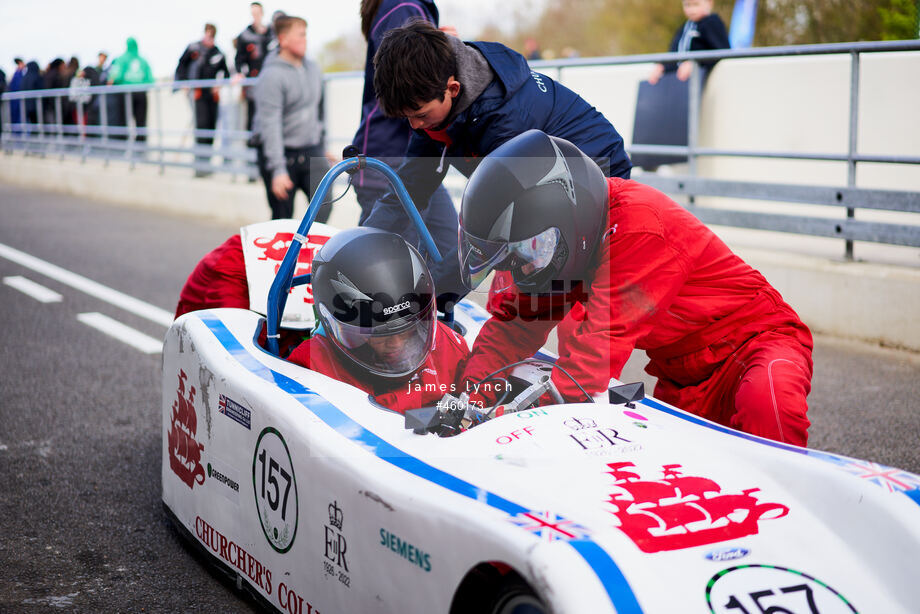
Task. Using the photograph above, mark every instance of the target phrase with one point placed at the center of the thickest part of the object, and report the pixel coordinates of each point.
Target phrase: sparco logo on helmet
(373, 310)
(395, 308)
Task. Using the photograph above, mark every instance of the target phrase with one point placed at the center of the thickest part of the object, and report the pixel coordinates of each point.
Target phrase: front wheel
(496, 589)
(516, 598)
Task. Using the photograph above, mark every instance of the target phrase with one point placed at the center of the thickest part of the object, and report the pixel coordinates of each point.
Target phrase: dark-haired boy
(463, 100)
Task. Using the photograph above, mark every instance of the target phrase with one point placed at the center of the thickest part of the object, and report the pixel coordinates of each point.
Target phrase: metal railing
(102, 124)
(850, 197)
(124, 141)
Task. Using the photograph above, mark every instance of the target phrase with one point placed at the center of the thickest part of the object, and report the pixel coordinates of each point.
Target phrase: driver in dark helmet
(638, 271)
(375, 299)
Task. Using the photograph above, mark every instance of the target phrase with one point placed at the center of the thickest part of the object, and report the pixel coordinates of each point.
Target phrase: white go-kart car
(318, 501)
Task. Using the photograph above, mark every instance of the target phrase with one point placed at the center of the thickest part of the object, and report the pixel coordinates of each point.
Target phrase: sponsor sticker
(226, 479)
(235, 411)
(770, 588)
(275, 489)
(727, 554)
(406, 550)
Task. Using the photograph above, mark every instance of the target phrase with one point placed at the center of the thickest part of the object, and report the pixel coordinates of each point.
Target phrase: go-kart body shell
(599, 507)
(320, 501)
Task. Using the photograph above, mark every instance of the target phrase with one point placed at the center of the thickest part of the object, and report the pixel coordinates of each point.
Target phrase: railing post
(6, 116)
(40, 116)
(851, 150)
(191, 98)
(693, 119)
(131, 132)
(104, 119)
(159, 102)
(81, 131)
(59, 120)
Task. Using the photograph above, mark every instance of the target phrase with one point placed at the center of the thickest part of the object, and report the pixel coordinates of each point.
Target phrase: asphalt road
(81, 524)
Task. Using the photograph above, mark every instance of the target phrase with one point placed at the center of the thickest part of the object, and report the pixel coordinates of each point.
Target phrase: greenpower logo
(275, 489)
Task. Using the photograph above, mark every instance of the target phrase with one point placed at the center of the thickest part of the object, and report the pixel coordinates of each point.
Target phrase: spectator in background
(95, 75)
(702, 31)
(288, 125)
(54, 77)
(15, 85)
(32, 80)
(273, 32)
(251, 49)
(101, 68)
(129, 69)
(69, 104)
(203, 60)
(379, 136)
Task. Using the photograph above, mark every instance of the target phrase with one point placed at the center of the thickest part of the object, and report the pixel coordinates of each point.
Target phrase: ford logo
(727, 554)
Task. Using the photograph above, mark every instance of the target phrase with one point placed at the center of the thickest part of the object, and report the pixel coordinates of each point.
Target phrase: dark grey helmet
(375, 299)
(536, 206)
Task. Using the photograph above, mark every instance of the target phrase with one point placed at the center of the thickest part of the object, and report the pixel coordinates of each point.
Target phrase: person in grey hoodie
(288, 125)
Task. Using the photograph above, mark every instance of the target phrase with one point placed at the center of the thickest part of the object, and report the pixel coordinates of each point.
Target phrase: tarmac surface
(82, 525)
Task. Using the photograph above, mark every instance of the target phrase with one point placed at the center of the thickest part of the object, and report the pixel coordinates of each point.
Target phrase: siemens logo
(390, 310)
(405, 550)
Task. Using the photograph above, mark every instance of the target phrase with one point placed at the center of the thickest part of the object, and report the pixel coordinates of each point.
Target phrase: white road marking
(95, 289)
(37, 291)
(122, 332)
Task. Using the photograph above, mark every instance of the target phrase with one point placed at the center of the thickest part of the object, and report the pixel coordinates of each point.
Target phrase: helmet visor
(390, 349)
(526, 258)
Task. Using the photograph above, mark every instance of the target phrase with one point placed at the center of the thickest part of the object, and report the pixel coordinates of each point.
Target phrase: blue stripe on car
(618, 589)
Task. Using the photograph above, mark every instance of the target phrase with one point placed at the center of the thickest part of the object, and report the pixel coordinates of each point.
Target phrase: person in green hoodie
(129, 69)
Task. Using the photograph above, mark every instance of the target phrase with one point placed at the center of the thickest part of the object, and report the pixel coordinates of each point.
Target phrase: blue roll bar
(281, 286)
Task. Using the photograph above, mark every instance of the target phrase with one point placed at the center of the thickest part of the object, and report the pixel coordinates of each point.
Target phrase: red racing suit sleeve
(219, 280)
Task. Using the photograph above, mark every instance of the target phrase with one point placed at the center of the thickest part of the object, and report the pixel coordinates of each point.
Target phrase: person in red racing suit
(218, 280)
(426, 386)
(374, 296)
(720, 339)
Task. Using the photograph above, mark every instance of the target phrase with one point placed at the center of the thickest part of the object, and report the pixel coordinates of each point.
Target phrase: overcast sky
(45, 29)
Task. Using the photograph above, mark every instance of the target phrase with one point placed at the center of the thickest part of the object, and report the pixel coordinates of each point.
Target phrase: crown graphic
(335, 515)
(576, 425)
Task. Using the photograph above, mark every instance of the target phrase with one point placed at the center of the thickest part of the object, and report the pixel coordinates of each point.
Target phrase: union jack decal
(889, 478)
(548, 526)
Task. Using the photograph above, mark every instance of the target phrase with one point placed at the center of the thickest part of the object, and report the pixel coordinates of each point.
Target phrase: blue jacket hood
(510, 67)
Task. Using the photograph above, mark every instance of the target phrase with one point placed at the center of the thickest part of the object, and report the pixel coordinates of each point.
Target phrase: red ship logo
(678, 511)
(184, 450)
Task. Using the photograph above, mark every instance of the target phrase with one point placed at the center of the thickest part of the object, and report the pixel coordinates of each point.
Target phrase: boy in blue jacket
(462, 101)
